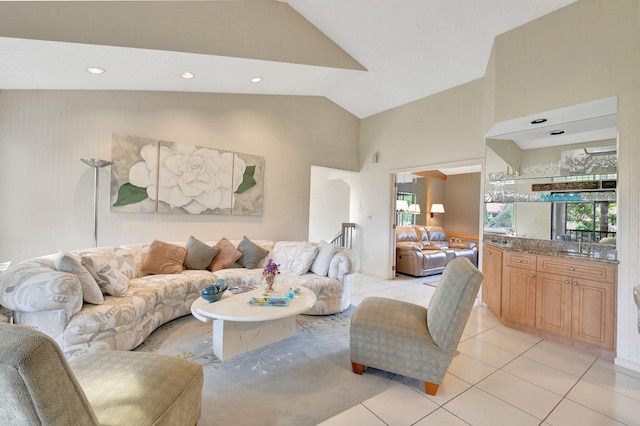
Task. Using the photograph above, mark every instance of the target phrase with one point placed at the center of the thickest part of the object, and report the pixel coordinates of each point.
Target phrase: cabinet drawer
(520, 260)
(579, 269)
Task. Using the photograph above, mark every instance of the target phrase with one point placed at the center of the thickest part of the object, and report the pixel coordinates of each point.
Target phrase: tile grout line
(569, 391)
(498, 398)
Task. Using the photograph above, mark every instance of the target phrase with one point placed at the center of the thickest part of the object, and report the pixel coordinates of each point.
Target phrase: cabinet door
(492, 283)
(553, 303)
(593, 312)
(519, 296)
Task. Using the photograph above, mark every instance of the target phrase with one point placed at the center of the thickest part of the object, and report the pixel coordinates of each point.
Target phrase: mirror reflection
(552, 191)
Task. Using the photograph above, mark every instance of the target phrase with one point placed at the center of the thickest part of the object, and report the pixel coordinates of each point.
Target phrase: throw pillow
(164, 258)
(120, 258)
(252, 253)
(199, 254)
(123, 261)
(304, 259)
(110, 279)
(69, 262)
(323, 259)
(40, 287)
(227, 255)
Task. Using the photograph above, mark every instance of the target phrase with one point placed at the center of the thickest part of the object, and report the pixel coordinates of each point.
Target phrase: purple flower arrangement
(269, 273)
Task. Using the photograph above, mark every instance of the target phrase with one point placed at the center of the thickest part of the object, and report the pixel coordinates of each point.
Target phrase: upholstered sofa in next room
(426, 250)
(115, 297)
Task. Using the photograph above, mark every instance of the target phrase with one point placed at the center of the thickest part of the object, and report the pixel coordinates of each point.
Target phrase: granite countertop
(591, 252)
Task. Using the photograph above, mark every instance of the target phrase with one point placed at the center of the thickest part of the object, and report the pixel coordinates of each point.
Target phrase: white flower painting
(167, 177)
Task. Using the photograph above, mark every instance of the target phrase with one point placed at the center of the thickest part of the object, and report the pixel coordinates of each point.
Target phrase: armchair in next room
(425, 250)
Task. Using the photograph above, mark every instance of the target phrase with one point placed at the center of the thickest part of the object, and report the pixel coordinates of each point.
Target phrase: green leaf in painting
(130, 194)
(247, 179)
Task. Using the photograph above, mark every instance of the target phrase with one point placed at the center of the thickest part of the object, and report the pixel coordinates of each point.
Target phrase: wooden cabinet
(519, 288)
(573, 299)
(492, 283)
(553, 303)
(576, 299)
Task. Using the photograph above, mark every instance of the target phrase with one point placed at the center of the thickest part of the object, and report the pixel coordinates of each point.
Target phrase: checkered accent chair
(412, 340)
(40, 387)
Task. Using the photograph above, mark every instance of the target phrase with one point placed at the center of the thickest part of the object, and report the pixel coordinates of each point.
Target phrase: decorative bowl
(213, 292)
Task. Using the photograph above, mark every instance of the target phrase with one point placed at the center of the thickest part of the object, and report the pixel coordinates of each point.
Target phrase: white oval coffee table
(239, 326)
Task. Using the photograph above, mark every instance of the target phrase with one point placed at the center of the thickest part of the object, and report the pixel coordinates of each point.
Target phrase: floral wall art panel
(168, 177)
(133, 182)
(248, 183)
(194, 180)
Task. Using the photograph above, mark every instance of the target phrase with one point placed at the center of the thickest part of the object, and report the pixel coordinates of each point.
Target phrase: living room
(585, 51)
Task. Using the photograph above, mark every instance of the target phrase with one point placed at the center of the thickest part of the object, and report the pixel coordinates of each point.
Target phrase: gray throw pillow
(252, 253)
(199, 254)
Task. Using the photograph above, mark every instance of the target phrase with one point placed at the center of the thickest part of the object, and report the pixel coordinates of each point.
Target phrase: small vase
(268, 283)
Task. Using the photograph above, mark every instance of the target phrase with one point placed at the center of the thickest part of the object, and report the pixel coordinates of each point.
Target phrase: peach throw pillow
(164, 258)
(227, 255)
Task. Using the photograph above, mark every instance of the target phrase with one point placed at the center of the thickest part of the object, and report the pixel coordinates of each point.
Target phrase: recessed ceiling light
(95, 70)
(256, 79)
(187, 75)
(556, 132)
(538, 121)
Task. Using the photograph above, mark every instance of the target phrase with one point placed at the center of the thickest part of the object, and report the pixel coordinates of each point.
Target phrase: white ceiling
(409, 49)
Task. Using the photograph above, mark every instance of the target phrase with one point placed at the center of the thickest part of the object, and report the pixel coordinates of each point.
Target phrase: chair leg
(357, 368)
(431, 388)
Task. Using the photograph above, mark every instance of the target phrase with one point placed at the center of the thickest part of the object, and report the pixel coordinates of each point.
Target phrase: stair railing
(346, 237)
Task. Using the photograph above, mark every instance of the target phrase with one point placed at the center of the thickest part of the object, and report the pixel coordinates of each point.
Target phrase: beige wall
(47, 193)
(421, 199)
(443, 129)
(329, 202)
(438, 195)
(463, 190)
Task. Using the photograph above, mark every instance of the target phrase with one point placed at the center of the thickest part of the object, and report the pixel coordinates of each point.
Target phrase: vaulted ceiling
(367, 56)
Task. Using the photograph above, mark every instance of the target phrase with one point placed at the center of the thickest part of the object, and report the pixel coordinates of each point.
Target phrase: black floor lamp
(96, 164)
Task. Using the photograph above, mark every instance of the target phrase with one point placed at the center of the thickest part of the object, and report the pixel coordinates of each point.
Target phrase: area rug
(299, 381)
(433, 280)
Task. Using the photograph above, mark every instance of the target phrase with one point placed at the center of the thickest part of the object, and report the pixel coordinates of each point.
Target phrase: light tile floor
(500, 377)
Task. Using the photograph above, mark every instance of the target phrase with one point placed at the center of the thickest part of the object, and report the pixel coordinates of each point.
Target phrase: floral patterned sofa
(129, 303)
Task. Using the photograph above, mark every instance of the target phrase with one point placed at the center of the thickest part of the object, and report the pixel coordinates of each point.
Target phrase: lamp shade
(437, 208)
(414, 209)
(402, 205)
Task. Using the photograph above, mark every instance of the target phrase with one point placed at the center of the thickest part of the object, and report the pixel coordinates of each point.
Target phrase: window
(498, 217)
(591, 221)
(404, 217)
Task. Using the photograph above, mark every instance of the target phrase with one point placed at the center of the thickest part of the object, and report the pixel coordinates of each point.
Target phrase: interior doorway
(449, 196)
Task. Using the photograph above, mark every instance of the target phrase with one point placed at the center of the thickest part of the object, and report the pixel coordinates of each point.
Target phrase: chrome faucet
(580, 244)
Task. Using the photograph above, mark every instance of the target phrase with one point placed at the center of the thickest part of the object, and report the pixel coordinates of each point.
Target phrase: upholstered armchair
(439, 239)
(412, 340)
(412, 256)
(39, 387)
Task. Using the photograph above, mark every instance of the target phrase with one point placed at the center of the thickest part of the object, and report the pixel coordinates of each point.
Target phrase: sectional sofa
(426, 250)
(115, 297)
